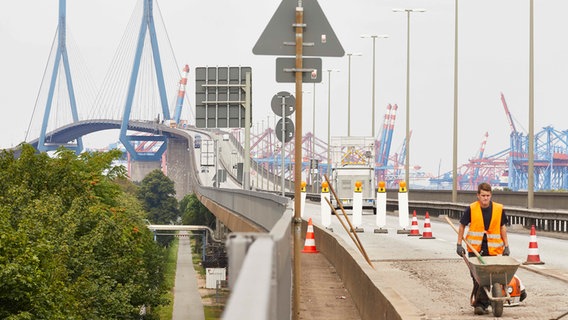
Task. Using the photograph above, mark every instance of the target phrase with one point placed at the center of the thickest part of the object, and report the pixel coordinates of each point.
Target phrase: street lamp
(349, 92)
(407, 160)
(455, 142)
(314, 122)
(329, 71)
(374, 37)
(313, 139)
(530, 187)
(313, 125)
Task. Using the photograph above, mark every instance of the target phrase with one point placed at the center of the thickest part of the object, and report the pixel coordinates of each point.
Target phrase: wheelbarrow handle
(466, 242)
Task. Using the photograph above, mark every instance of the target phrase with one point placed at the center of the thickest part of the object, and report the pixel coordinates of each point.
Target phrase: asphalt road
(429, 274)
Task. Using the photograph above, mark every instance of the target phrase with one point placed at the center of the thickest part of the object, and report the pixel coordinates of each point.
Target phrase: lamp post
(407, 160)
(374, 37)
(455, 142)
(313, 139)
(312, 152)
(349, 92)
(329, 71)
(530, 187)
(314, 122)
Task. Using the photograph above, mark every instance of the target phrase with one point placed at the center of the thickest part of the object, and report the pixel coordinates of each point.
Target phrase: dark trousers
(478, 296)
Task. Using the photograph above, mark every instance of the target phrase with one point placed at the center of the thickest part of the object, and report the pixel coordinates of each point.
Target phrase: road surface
(429, 274)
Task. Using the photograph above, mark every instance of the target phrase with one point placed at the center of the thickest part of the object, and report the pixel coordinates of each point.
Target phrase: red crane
(508, 114)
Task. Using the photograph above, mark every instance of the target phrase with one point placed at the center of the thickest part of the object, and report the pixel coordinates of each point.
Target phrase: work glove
(506, 252)
(460, 250)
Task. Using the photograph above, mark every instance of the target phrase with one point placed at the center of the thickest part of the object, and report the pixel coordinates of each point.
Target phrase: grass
(213, 304)
(165, 312)
(212, 310)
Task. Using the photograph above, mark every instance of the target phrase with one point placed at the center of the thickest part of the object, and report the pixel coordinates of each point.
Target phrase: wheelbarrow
(493, 274)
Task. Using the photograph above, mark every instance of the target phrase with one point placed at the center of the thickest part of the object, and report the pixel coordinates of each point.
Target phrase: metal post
(455, 146)
(329, 71)
(407, 140)
(328, 120)
(373, 90)
(312, 171)
(407, 158)
(282, 151)
(349, 92)
(297, 222)
(203, 244)
(530, 186)
(374, 37)
(246, 166)
(216, 144)
(349, 96)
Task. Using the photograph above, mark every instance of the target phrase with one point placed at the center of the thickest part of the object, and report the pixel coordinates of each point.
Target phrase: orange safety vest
(477, 229)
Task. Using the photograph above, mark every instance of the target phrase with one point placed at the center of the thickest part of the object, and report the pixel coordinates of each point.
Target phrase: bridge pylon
(60, 57)
(146, 27)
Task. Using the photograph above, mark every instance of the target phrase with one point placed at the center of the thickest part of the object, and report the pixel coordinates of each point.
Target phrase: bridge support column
(139, 169)
(178, 162)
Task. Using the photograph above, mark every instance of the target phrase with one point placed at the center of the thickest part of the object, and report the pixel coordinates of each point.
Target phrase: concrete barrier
(374, 296)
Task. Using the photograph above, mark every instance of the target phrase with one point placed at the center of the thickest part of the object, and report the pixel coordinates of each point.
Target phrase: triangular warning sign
(278, 38)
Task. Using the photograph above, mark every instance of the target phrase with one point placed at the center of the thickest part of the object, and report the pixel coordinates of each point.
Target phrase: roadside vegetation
(165, 312)
(73, 240)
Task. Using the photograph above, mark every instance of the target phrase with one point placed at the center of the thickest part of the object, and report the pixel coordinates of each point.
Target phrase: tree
(69, 246)
(157, 194)
(195, 213)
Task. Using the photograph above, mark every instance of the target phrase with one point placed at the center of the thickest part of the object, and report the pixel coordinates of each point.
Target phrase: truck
(353, 159)
(197, 141)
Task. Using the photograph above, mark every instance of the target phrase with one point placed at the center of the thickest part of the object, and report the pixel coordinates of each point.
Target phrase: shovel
(467, 243)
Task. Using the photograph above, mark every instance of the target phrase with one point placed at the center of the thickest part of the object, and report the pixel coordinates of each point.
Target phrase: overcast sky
(493, 58)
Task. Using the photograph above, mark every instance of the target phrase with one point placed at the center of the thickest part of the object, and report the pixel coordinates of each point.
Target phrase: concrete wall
(372, 290)
(178, 158)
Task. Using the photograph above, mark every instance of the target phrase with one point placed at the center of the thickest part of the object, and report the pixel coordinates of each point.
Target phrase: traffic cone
(414, 226)
(533, 256)
(427, 234)
(310, 244)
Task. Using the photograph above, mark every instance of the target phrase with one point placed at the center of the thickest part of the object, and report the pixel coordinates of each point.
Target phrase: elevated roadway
(260, 222)
(406, 269)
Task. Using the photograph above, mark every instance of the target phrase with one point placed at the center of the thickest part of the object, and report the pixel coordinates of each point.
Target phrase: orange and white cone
(533, 256)
(310, 243)
(427, 234)
(414, 226)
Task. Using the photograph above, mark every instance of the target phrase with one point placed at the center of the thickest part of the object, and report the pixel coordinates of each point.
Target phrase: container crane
(384, 143)
(387, 145)
(508, 114)
(470, 178)
(181, 95)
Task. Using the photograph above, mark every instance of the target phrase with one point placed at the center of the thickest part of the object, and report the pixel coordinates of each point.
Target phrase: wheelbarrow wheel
(497, 305)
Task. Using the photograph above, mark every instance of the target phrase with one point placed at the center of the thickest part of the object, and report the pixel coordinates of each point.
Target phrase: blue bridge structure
(133, 98)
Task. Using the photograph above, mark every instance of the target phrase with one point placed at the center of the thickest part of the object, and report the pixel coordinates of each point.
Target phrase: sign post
(276, 39)
(298, 162)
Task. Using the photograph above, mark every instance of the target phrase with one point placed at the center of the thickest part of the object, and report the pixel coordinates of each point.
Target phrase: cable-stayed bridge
(142, 86)
(136, 96)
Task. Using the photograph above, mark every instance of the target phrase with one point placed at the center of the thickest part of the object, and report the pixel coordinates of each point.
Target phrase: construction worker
(487, 234)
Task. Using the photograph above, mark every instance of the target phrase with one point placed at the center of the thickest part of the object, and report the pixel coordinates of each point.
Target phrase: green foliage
(73, 245)
(195, 213)
(157, 194)
(165, 312)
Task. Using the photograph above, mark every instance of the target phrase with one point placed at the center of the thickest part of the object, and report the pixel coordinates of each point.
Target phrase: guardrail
(260, 262)
(544, 219)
